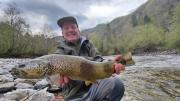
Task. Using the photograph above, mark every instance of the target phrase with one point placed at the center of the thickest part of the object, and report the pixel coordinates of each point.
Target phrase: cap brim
(61, 21)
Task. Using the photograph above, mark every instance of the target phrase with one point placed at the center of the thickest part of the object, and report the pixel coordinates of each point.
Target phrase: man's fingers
(66, 79)
(118, 58)
(61, 79)
(113, 75)
(118, 68)
(62, 84)
(122, 67)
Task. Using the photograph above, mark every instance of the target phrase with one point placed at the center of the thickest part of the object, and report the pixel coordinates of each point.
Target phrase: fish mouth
(20, 73)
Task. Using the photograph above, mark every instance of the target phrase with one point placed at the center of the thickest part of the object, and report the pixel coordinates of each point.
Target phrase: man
(109, 89)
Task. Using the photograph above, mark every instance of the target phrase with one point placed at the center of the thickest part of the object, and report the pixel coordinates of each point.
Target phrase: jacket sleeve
(60, 48)
(93, 52)
(60, 51)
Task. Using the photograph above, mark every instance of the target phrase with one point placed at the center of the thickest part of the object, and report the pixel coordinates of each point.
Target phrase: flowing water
(152, 78)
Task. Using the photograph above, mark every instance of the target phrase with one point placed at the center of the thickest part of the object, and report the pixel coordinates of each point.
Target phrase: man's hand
(63, 80)
(118, 67)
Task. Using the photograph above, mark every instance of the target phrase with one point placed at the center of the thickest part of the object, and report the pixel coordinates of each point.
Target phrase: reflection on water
(153, 78)
(158, 61)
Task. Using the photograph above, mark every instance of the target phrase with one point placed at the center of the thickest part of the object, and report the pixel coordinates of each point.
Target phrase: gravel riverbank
(152, 78)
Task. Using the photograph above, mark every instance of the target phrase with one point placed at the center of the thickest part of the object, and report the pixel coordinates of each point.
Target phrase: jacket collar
(83, 39)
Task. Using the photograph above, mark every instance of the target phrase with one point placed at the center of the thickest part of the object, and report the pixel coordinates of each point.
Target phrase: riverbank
(137, 52)
(151, 85)
(152, 78)
(159, 52)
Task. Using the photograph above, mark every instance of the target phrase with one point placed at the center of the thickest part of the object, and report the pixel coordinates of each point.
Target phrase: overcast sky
(89, 13)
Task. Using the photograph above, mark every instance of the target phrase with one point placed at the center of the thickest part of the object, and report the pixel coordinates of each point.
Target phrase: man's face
(70, 31)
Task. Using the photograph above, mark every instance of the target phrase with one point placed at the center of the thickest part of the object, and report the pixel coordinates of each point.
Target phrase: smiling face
(70, 31)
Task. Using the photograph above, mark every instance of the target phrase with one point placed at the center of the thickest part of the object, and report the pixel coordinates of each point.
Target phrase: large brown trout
(75, 67)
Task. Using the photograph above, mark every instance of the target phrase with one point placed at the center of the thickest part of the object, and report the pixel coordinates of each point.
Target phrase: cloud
(98, 11)
(89, 13)
(1, 16)
(103, 12)
(40, 12)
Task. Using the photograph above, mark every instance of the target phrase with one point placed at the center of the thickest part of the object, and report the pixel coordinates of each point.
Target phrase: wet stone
(23, 86)
(6, 87)
(42, 95)
(177, 98)
(1, 62)
(8, 67)
(6, 78)
(3, 71)
(19, 94)
(29, 81)
(41, 84)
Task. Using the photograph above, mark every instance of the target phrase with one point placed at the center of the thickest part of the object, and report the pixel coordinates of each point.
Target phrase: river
(152, 78)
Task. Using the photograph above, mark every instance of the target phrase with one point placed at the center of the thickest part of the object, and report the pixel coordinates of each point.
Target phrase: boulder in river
(6, 87)
(23, 86)
(19, 94)
(6, 78)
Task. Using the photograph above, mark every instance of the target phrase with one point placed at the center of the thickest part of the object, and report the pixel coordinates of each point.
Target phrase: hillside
(154, 15)
(154, 11)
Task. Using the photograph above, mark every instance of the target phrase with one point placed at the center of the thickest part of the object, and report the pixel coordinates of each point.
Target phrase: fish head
(32, 70)
(127, 59)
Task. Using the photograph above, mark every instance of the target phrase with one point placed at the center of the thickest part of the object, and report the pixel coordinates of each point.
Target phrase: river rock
(6, 78)
(42, 95)
(3, 99)
(8, 67)
(1, 62)
(19, 94)
(177, 98)
(3, 71)
(5, 87)
(29, 81)
(23, 86)
(41, 84)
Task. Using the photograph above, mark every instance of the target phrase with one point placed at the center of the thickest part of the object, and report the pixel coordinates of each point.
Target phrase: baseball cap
(62, 20)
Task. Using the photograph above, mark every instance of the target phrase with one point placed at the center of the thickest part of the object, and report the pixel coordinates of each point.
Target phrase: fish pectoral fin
(87, 83)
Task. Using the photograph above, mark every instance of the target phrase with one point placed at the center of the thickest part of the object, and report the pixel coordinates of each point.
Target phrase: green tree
(5, 37)
(173, 37)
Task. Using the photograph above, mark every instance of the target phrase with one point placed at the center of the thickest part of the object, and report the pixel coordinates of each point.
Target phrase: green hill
(154, 26)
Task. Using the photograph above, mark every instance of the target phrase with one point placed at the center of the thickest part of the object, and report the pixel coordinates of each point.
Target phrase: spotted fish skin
(75, 67)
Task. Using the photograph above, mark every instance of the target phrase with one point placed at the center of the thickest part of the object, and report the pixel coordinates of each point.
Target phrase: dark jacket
(83, 47)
